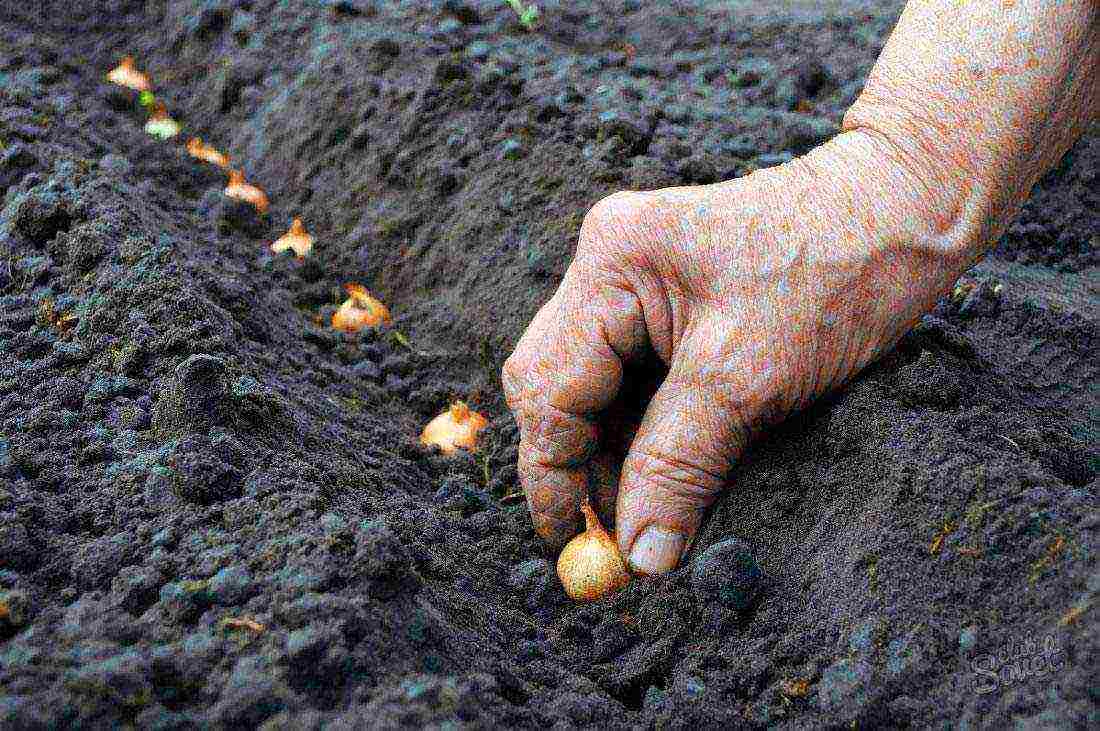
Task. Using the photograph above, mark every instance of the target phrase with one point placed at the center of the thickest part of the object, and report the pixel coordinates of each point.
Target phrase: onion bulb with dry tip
(126, 75)
(359, 310)
(202, 151)
(456, 427)
(591, 565)
(160, 125)
(238, 189)
(296, 238)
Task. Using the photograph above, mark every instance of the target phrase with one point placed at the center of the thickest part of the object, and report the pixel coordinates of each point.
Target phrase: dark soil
(185, 443)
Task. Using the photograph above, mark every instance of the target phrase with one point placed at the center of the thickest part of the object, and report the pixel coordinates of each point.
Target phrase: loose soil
(214, 510)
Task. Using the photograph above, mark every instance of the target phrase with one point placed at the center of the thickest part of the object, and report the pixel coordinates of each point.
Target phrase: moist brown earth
(214, 509)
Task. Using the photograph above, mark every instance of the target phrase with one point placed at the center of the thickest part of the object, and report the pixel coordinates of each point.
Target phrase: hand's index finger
(574, 373)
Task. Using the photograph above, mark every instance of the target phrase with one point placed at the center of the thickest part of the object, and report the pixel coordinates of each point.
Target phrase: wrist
(981, 99)
(883, 243)
(904, 203)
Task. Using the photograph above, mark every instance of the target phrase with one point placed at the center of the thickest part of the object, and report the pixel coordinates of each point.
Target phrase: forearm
(977, 99)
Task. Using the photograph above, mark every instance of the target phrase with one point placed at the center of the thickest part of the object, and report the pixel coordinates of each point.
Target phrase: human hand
(760, 294)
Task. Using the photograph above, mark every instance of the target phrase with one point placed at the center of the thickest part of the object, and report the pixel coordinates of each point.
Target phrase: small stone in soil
(728, 574)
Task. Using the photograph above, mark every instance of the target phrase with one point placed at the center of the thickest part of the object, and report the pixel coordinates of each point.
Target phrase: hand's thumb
(676, 466)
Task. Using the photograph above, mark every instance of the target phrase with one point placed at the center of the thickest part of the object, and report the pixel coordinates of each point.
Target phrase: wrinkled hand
(759, 294)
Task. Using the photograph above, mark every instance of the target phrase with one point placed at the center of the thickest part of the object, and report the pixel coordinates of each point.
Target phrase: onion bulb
(238, 189)
(296, 238)
(160, 125)
(456, 427)
(590, 565)
(198, 149)
(360, 310)
(126, 75)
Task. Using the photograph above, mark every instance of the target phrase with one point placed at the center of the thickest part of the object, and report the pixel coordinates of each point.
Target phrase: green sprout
(146, 99)
(527, 15)
(400, 338)
(485, 469)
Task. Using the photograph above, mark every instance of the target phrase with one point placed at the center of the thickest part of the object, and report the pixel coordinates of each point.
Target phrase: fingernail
(656, 551)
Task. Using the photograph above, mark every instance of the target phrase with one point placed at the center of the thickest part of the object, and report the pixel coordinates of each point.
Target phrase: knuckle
(673, 479)
(511, 377)
(561, 439)
(617, 216)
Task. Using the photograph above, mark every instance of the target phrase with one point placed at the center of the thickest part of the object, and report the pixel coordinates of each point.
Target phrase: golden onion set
(197, 149)
(590, 565)
(455, 428)
(359, 310)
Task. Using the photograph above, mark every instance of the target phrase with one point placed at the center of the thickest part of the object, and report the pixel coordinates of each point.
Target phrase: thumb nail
(656, 551)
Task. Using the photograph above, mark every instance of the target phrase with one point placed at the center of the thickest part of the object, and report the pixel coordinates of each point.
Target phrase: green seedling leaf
(527, 15)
